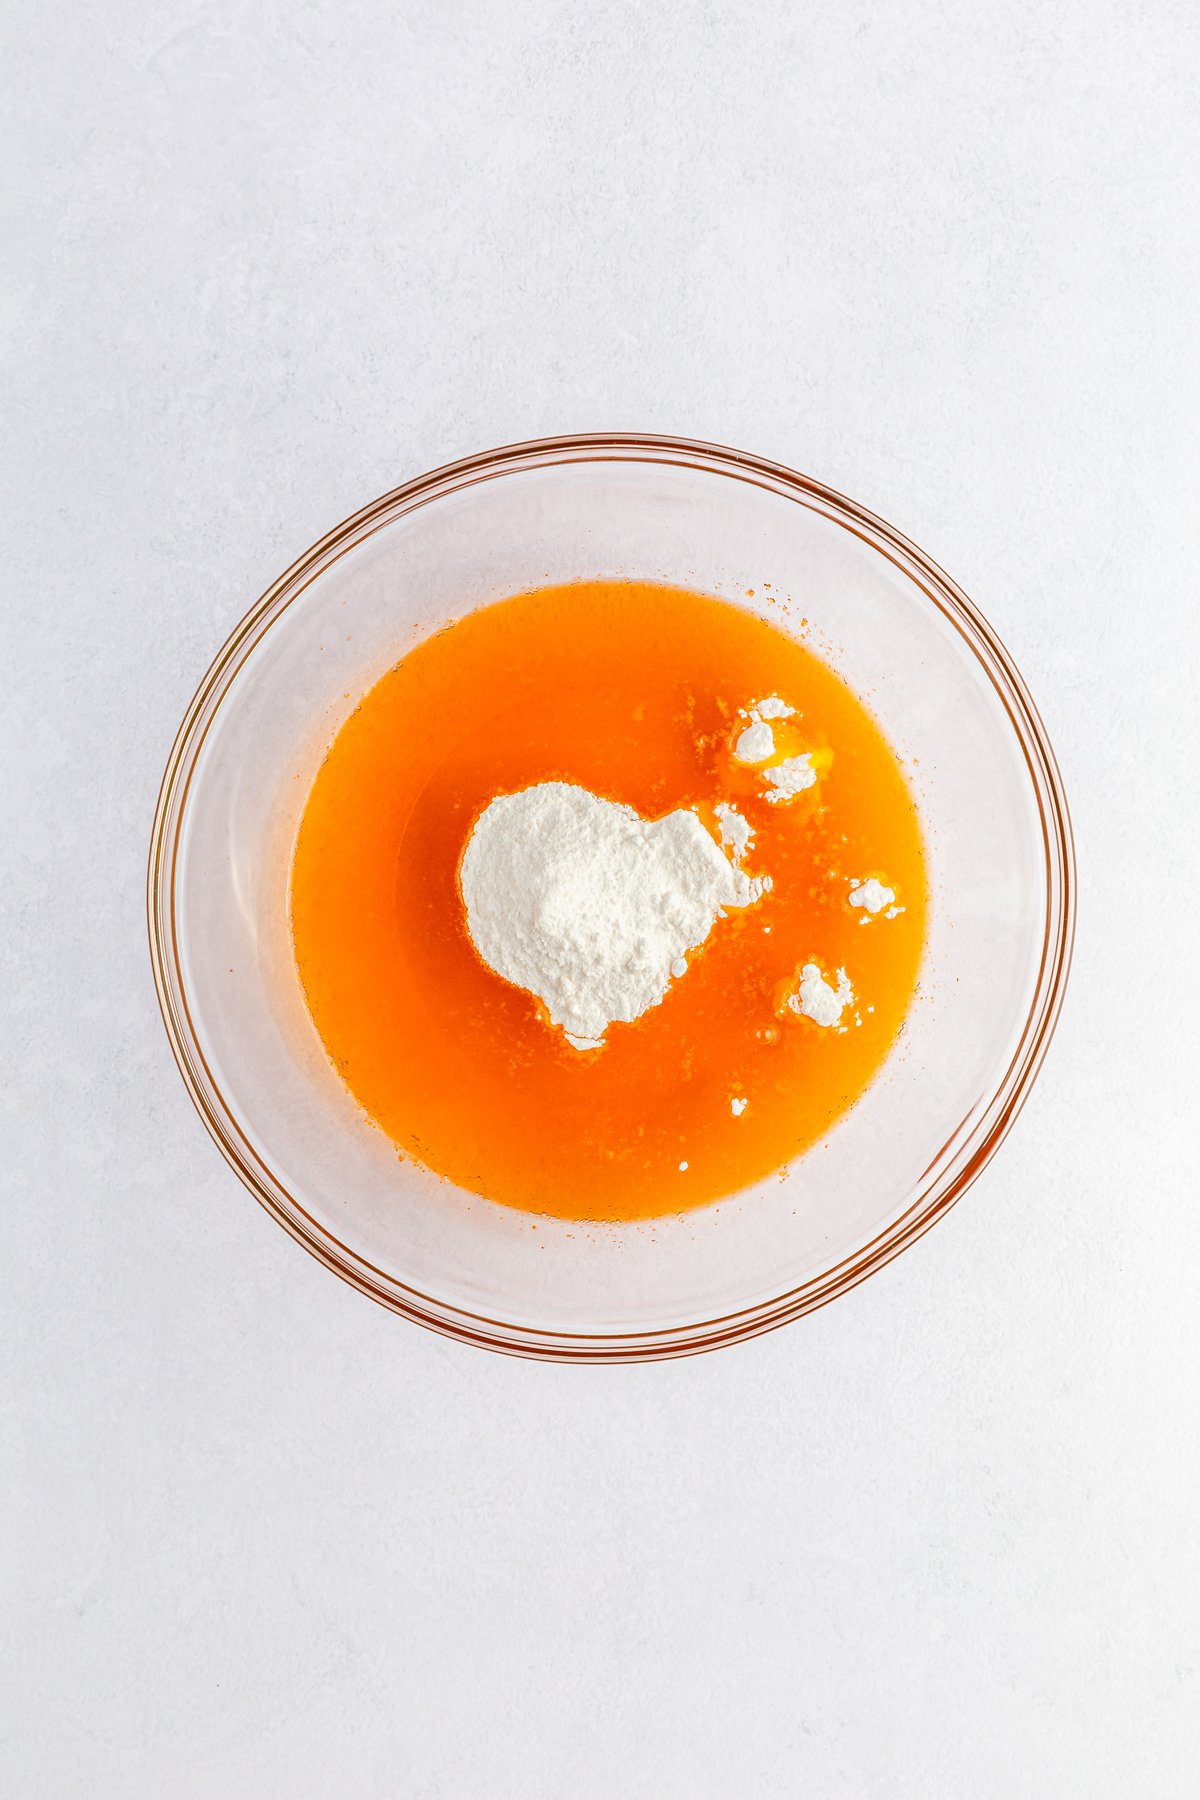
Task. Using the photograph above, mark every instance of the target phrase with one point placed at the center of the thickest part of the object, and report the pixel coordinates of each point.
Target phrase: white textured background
(264, 261)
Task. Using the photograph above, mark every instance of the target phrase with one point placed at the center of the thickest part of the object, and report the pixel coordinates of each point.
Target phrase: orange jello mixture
(632, 690)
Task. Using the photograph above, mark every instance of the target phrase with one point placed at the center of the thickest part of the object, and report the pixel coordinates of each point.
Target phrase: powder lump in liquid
(755, 745)
(817, 1000)
(872, 895)
(589, 906)
(736, 832)
(790, 777)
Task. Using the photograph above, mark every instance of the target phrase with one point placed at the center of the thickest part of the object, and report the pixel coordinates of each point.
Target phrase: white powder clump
(756, 743)
(589, 906)
(736, 832)
(872, 895)
(738, 1107)
(815, 999)
(790, 778)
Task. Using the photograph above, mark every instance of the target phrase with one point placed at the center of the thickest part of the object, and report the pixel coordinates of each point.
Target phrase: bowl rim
(953, 1168)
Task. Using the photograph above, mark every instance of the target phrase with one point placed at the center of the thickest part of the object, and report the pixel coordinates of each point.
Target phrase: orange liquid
(633, 691)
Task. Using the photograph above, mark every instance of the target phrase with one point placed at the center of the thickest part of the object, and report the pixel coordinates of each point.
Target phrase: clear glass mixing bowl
(904, 637)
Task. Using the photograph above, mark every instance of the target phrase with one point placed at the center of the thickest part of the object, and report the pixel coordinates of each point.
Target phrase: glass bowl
(908, 642)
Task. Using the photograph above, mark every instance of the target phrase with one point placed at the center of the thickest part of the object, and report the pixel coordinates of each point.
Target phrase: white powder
(790, 778)
(873, 895)
(756, 744)
(738, 1107)
(817, 1000)
(736, 832)
(589, 906)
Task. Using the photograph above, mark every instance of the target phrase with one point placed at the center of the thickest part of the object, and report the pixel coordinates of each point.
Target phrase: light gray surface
(263, 1539)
